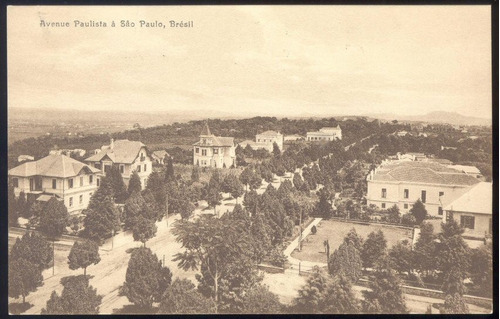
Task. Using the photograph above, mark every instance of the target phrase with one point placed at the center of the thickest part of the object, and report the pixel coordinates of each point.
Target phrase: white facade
(325, 134)
(214, 151)
(267, 139)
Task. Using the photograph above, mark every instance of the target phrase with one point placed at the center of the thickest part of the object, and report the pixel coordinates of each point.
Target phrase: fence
(300, 268)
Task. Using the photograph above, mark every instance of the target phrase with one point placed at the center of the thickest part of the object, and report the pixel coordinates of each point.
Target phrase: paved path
(295, 243)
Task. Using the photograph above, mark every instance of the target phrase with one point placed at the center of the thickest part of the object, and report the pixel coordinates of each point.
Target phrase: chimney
(111, 144)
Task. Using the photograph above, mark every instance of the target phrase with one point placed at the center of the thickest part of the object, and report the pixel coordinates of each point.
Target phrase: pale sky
(268, 60)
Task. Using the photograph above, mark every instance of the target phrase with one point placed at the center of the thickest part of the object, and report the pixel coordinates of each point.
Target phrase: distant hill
(452, 118)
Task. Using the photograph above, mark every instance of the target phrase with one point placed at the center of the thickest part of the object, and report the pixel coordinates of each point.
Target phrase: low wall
(437, 294)
(361, 222)
(271, 269)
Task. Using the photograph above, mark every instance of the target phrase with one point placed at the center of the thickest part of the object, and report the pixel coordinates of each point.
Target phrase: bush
(408, 219)
(314, 230)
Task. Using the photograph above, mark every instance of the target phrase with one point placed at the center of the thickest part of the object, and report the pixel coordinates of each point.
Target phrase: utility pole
(166, 205)
(53, 256)
(300, 234)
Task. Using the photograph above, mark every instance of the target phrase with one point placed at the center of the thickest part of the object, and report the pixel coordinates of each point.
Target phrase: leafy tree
(54, 219)
(346, 261)
(314, 230)
(339, 297)
(215, 245)
(425, 249)
(146, 280)
(373, 248)
(452, 257)
(401, 257)
(134, 184)
(135, 206)
(393, 214)
(481, 269)
(232, 185)
(276, 150)
(246, 176)
(195, 174)
(214, 196)
(386, 296)
(353, 238)
(454, 304)
(251, 200)
(311, 297)
(297, 181)
(418, 210)
(169, 171)
(22, 205)
(324, 207)
(83, 254)
(12, 206)
(181, 297)
(261, 239)
(24, 277)
(77, 297)
(100, 223)
(117, 183)
(33, 248)
(103, 194)
(259, 300)
(144, 229)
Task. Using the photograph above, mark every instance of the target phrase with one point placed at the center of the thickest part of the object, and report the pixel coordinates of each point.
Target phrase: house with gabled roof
(265, 140)
(325, 134)
(214, 151)
(128, 156)
(402, 183)
(57, 176)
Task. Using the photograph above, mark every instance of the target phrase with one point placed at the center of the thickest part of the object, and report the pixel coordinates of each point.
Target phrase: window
(81, 180)
(91, 179)
(138, 168)
(197, 150)
(406, 206)
(54, 183)
(81, 199)
(98, 182)
(106, 168)
(467, 222)
(407, 193)
(122, 169)
(15, 182)
(383, 205)
(97, 165)
(71, 202)
(440, 211)
(441, 194)
(70, 183)
(204, 152)
(424, 196)
(384, 193)
(145, 168)
(216, 151)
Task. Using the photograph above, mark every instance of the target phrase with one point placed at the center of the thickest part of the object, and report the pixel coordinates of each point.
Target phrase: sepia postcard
(258, 159)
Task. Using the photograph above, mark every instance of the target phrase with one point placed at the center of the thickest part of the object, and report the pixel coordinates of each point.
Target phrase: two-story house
(214, 151)
(56, 175)
(325, 134)
(128, 156)
(402, 183)
(265, 140)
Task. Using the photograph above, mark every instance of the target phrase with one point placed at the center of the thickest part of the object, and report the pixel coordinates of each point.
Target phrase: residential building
(411, 156)
(56, 175)
(128, 156)
(402, 183)
(473, 210)
(159, 156)
(214, 151)
(265, 141)
(325, 134)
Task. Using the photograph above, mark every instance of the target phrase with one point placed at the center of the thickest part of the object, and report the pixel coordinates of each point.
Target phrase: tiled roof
(423, 172)
(53, 166)
(466, 169)
(205, 130)
(477, 200)
(218, 141)
(161, 154)
(269, 133)
(123, 151)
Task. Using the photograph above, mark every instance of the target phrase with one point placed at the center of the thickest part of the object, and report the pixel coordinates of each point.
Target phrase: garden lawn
(335, 231)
